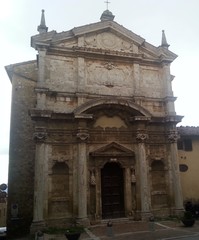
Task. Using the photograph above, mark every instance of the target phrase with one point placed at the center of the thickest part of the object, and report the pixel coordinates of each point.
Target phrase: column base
(37, 226)
(178, 212)
(146, 216)
(83, 221)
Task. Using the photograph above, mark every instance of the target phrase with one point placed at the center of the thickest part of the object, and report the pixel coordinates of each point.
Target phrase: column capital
(40, 136)
(172, 136)
(82, 134)
(142, 137)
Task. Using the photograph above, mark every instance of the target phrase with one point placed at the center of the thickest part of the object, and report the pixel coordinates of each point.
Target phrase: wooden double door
(112, 188)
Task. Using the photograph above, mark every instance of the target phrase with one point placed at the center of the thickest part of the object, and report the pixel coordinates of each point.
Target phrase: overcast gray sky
(179, 18)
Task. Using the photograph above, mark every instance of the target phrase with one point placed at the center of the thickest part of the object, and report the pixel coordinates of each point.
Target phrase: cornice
(39, 113)
(173, 119)
(98, 53)
(170, 99)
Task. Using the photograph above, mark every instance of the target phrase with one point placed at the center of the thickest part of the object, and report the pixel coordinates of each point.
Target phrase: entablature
(98, 53)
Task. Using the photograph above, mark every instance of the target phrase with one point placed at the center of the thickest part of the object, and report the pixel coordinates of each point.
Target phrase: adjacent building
(188, 153)
(3, 210)
(93, 129)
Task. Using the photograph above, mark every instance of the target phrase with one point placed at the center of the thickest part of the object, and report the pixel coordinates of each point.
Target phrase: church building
(93, 129)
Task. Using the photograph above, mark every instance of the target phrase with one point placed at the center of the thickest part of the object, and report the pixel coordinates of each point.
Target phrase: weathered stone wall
(22, 151)
(103, 78)
(61, 73)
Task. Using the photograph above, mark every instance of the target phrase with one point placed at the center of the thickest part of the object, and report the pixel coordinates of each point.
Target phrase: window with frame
(185, 144)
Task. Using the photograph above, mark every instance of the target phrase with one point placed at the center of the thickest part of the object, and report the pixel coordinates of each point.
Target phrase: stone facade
(93, 128)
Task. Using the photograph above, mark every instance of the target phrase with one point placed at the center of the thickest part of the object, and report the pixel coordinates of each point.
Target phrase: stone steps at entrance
(115, 220)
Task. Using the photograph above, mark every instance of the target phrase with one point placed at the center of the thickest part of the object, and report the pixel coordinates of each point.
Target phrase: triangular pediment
(101, 37)
(101, 33)
(112, 149)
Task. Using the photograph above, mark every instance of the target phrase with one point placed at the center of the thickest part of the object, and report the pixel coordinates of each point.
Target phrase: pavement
(161, 230)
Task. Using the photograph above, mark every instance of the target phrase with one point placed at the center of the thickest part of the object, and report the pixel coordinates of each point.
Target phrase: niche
(60, 180)
(159, 194)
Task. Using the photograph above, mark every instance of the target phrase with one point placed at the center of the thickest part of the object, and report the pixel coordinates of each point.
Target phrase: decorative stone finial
(164, 40)
(107, 16)
(42, 27)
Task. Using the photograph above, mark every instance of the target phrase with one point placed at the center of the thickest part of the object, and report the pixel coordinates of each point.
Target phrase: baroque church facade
(93, 128)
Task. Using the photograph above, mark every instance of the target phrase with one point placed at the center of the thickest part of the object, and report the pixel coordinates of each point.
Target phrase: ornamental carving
(133, 177)
(83, 135)
(109, 65)
(39, 136)
(173, 137)
(107, 40)
(92, 179)
(141, 137)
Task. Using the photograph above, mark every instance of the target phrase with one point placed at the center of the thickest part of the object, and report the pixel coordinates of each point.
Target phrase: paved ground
(147, 231)
(164, 230)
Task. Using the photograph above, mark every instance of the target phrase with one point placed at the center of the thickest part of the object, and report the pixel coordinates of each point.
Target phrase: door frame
(114, 170)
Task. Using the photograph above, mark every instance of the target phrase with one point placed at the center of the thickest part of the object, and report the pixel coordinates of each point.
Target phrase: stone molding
(140, 119)
(116, 101)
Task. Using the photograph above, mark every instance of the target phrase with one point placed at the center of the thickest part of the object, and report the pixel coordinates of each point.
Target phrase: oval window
(183, 167)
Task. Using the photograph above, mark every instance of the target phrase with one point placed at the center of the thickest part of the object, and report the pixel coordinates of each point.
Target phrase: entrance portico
(112, 166)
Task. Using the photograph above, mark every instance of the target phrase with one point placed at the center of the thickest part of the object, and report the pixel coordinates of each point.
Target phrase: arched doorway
(112, 189)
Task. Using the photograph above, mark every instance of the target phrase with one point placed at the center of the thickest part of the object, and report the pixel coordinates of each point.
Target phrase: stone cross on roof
(107, 3)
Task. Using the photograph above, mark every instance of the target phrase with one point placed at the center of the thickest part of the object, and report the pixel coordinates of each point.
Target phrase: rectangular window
(187, 145)
(180, 145)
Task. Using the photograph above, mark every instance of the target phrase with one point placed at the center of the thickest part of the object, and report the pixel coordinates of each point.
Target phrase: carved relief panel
(109, 74)
(108, 40)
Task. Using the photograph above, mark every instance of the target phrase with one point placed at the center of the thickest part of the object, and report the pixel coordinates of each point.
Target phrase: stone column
(41, 67)
(81, 78)
(41, 88)
(98, 213)
(82, 135)
(80, 68)
(143, 172)
(136, 75)
(172, 138)
(133, 191)
(166, 76)
(127, 192)
(169, 99)
(40, 184)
